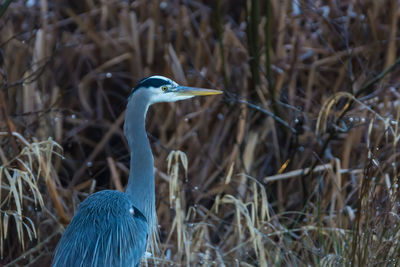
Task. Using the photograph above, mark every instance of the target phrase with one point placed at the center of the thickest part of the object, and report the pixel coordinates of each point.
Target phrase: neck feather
(140, 186)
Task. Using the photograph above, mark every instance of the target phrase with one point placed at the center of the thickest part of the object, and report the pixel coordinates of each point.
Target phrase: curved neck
(140, 186)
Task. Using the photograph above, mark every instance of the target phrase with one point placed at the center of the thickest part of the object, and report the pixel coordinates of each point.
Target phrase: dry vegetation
(297, 165)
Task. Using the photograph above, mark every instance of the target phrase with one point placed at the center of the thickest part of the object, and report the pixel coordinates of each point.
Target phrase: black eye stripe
(151, 82)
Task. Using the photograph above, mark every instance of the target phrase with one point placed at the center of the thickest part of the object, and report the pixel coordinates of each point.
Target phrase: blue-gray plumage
(100, 232)
(112, 228)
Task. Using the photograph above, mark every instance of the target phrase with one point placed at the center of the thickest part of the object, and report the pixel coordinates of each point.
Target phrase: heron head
(161, 89)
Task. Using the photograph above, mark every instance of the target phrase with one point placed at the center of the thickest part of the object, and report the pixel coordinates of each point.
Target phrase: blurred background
(295, 165)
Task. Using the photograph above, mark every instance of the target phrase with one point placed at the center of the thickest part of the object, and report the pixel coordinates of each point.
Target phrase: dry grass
(297, 165)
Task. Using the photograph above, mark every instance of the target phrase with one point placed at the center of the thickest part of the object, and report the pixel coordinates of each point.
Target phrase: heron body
(111, 228)
(99, 233)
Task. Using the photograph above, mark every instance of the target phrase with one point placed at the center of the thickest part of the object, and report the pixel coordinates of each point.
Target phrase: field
(296, 164)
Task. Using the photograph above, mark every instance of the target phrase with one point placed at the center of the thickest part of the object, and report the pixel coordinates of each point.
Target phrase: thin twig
(318, 168)
(363, 89)
(97, 149)
(268, 113)
(8, 123)
(38, 247)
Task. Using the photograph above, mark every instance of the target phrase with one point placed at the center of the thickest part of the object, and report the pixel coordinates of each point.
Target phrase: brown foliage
(296, 165)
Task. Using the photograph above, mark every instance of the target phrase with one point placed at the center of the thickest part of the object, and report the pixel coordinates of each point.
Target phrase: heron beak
(193, 91)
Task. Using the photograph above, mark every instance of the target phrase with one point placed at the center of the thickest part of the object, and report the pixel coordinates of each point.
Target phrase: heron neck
(140, 186)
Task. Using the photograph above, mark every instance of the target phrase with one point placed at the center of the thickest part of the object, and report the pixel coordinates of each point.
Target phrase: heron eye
(164, 88)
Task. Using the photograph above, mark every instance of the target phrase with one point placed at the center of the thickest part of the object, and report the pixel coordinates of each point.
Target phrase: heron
(112, 228)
